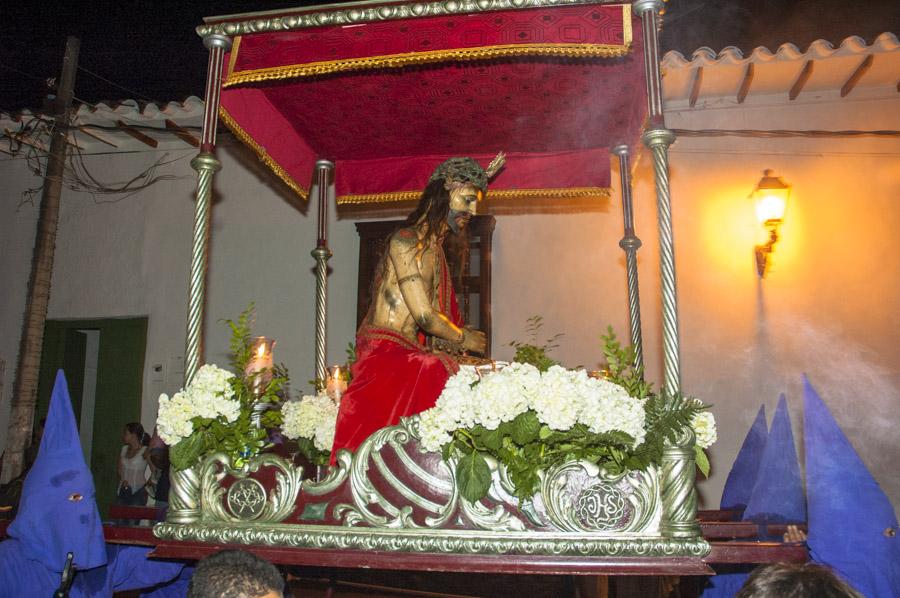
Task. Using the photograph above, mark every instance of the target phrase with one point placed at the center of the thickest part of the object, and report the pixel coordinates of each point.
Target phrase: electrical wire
(23, 73)
(768, 134)
(114, 84)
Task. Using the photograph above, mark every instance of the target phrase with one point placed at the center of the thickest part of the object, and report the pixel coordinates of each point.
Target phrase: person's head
(450, 198)
(789, 580)
(235, 574)
(133, 434)
(158, 457)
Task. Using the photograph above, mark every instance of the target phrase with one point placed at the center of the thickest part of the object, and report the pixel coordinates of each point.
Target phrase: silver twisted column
(630, 243)
(679, 494)
(658, 140)
(323, 178)
(206, 165)
(322, 255)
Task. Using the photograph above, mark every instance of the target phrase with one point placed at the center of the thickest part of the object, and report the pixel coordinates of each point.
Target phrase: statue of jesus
(396, 374)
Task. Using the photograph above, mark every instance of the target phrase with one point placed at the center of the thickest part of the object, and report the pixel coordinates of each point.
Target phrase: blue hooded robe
(58, 514)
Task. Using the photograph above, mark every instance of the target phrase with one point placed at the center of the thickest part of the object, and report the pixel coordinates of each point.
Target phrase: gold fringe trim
(502, 194)
(430, 57)
(266, 159)
(626, 24)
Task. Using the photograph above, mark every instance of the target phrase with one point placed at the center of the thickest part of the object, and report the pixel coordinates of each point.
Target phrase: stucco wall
(828, 308)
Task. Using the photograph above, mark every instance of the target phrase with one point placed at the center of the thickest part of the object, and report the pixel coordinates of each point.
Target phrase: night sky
(151, 52)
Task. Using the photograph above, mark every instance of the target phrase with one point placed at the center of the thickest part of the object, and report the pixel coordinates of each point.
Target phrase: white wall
(828, 307)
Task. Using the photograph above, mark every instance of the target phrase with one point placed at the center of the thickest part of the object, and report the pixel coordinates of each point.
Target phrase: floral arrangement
(214, 412)
(209, 396)
(534, 414)
(310, 421)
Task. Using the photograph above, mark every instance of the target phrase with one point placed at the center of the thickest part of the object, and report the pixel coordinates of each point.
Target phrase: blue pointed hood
(777, 495)
(58, 508)
(742, 476)
(852, 526)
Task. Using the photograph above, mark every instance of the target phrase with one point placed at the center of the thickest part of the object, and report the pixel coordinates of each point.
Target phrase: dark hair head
(788, 580)
(234, 574)
(137, 429)
(433, 207)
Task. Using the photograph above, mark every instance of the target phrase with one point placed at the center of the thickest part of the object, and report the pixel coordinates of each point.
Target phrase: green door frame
(120, 382)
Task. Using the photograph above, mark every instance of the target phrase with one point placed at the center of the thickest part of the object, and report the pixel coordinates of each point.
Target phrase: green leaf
(186, 452)
(526, 427)
(702, 461)
(447, 450)
(545, 432)
(525, 482)
(473, 476)
(491, 439)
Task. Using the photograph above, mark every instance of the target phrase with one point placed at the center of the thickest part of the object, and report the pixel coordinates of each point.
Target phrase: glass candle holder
(259, 368)
(336, 382)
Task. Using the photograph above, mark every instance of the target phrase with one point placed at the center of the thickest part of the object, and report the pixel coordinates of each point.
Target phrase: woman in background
(133, 469)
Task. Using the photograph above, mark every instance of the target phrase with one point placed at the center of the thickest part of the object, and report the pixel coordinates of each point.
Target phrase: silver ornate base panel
(391, 495)
(433, 541)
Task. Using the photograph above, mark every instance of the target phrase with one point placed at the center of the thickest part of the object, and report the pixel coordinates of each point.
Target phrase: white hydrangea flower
(213, 380)
(558, 402)
(312, 417)
(704, 425)
(496, 400)
(457, 398)
(608, 407)
(209, 395)
(433, 430)
(174, 419)
(560, 397)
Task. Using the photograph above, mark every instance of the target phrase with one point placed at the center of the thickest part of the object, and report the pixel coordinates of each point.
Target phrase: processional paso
(559, 86)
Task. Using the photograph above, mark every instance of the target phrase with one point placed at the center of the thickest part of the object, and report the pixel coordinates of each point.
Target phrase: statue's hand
(474, 340)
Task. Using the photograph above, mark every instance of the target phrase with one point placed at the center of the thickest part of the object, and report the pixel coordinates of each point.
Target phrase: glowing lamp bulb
(770, 207)
(771, 196)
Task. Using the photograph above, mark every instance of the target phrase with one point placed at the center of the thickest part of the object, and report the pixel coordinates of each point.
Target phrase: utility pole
(24, 395)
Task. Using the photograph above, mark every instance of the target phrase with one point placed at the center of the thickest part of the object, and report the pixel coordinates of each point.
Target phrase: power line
(767, 134)
(114, 84)
(23, 73)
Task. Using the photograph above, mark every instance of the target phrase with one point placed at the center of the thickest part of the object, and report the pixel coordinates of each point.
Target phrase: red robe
(394, 377)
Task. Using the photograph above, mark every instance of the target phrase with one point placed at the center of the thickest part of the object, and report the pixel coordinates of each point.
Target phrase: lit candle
(259, 368)
(336, 382)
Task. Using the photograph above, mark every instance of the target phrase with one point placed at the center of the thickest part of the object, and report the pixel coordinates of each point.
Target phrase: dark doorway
(104, 365)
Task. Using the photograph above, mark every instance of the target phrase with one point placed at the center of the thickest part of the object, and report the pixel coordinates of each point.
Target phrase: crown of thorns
(467, 171)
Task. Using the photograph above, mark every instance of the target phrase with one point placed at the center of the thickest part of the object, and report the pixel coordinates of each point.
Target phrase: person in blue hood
(852, 524)
(58, 515)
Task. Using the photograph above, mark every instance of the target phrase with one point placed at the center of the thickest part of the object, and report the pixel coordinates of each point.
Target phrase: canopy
(387, 99)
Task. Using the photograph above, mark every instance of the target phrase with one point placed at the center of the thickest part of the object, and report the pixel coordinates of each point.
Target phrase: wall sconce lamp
(771, 197)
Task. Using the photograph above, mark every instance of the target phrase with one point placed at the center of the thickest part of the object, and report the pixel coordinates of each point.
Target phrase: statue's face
(463, 204)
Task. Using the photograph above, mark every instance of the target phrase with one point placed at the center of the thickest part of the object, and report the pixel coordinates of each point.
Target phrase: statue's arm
(403, 256)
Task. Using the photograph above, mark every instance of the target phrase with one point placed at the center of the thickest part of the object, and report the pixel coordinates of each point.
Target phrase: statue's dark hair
(789, 580)
(234, 574)
(434, 203)
(433, 207)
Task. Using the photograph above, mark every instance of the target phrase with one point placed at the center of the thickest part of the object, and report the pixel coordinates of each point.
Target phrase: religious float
(386, 91)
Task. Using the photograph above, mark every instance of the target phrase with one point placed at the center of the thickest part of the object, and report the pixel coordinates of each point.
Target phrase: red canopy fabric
(554, 87)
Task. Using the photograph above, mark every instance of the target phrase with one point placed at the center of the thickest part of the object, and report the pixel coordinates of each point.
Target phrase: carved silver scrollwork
(578, 496)
(247, 500)
(369, 504)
